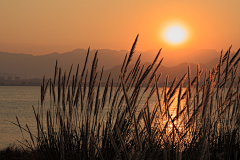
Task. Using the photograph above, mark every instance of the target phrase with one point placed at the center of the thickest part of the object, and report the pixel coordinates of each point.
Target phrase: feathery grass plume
(154, 72)
(97, 96)
(227, 66)
(140, 74)
(42, 90)
(75, 81)
(189, 81)
(69, 74)
(111, 90)
(104, 96)
(158, 95)
(234, 56)
(179, 100)
(152, 65)
(219, 69)
(226, 54)
(172, 86)
(92, 81)
(237, 62)
(85, 64)
(197, 85)
(133, 73)
(143, 77)
(59, 85)
(129, 57)
(123, 65)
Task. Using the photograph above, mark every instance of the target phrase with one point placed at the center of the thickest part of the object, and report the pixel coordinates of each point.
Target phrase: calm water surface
(16, 101)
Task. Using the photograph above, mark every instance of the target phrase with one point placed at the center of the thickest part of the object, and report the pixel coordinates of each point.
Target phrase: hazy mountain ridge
(176, 71)
(36, 66)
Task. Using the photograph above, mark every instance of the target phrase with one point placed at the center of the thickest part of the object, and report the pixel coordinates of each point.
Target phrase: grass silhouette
(198, 121)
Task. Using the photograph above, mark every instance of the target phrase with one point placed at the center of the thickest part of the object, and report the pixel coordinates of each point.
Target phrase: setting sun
(175, 34)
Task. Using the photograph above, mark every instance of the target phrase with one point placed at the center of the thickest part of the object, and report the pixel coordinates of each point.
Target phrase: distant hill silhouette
(176, 71)
(190, 56)
(37, 66)
(174, 64)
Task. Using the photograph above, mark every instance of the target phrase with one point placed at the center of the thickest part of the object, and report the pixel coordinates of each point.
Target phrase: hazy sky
(45, 26)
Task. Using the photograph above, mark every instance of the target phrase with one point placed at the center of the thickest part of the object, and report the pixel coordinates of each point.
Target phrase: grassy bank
(200, 121)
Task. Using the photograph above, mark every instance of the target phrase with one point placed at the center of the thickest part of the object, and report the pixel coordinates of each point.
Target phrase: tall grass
(190, 119)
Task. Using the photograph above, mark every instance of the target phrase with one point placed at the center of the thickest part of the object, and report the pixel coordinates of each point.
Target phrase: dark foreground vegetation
(80, 122)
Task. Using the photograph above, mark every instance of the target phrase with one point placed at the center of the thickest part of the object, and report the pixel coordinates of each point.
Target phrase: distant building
(9, 78)
(17, 78)
(1, 78)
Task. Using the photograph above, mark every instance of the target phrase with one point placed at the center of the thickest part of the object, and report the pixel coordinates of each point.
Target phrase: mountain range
(27, 66)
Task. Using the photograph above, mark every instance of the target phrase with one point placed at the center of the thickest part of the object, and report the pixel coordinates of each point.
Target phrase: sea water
(18, 101)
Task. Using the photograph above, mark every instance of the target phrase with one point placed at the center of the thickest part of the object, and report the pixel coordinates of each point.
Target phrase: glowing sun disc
(175, 34)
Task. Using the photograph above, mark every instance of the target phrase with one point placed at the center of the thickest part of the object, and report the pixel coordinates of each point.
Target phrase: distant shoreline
(23, 82)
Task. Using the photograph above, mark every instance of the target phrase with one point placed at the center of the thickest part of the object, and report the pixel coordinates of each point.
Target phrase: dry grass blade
(69, 74)
(234, 57)
(189, 81)
(130, 113)
(55, 74)
(122, 143)
(85, 64)
(130, 57)
(59, 85)
(31, 136)
(105, 91)
(177, 86)
(226, 54)
(154, 72)
(115, 146)
(171, 88)
(20, 126)
(158, 95)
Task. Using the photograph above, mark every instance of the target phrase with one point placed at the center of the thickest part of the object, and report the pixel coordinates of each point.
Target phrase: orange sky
(45, 26)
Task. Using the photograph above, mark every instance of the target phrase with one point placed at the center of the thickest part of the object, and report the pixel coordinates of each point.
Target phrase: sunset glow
(175, 34)
(44, 27)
